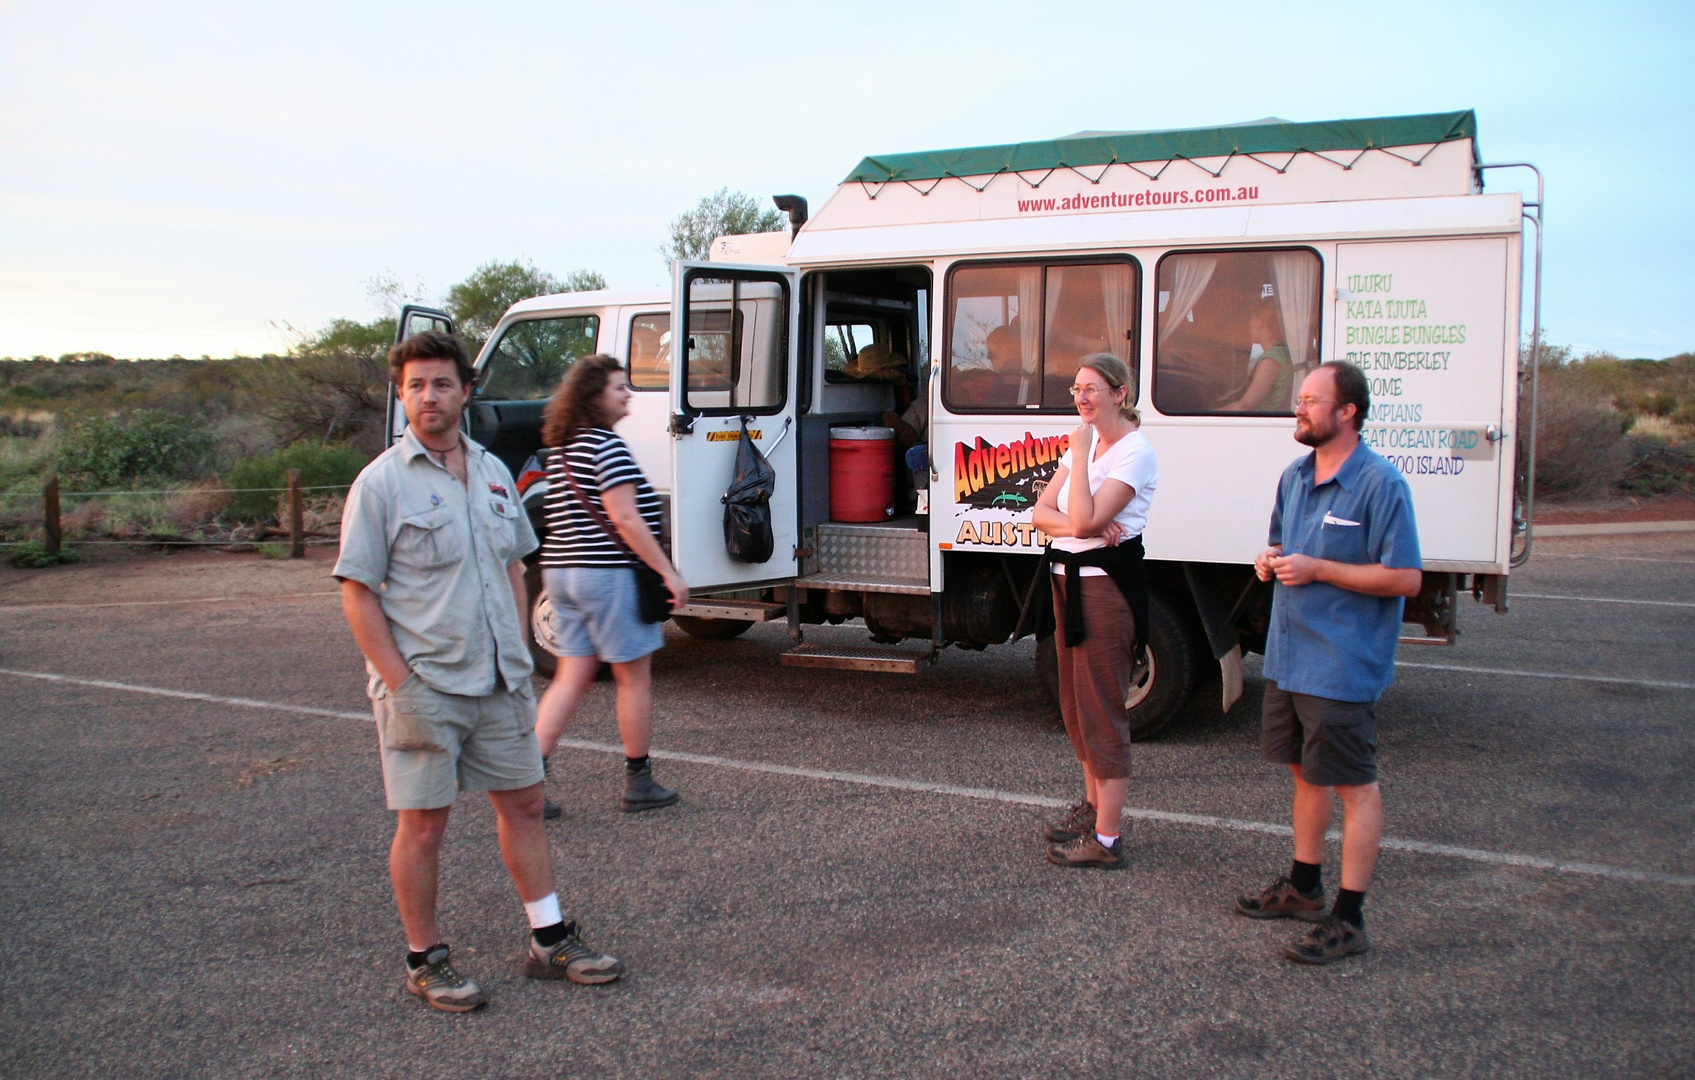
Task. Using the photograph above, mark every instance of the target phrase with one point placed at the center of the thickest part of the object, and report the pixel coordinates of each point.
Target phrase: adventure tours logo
(1007, 476)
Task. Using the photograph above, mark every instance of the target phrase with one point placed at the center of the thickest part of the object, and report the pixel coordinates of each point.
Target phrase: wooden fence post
(50, 515)
(296, 523)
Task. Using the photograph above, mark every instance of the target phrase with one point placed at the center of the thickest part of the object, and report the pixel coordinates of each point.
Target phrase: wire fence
(191, 516)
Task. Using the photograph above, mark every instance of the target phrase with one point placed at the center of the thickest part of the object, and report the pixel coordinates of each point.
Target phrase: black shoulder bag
(653, 596)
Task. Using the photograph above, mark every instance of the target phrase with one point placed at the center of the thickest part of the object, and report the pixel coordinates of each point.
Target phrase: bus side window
(1236, 331)
(650, 351)
(1018, 331)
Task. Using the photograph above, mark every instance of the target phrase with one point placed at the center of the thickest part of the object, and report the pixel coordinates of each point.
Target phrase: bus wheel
(711, 629)
(540, 624)
(1165, 687)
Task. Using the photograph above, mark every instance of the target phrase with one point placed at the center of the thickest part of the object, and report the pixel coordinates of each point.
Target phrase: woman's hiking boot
(642, 793)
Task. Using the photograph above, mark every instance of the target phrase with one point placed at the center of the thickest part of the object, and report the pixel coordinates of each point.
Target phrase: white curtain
(1296, 275)
(1030, 331)
(1190, 275)
(1115, 287)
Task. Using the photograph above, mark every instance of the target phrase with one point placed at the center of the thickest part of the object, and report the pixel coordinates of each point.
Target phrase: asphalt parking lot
(194, 844)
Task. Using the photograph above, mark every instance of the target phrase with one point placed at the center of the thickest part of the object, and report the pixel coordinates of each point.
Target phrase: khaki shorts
(435, 745)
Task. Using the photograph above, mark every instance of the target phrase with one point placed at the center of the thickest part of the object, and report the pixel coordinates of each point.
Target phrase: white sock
(544, 912)
(1106, 841)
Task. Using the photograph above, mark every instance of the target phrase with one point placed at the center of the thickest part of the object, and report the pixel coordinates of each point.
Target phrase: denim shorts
(435, 745)
(596, 613)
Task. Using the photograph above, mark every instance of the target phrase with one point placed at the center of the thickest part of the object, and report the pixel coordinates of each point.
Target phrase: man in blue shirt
(1344, 551)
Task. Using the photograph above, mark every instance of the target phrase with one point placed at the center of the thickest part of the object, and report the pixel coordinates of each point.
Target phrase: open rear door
(414, 319)
(733, 359)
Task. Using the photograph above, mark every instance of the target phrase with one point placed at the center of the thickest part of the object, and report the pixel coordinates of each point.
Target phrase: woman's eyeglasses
(1086, 392)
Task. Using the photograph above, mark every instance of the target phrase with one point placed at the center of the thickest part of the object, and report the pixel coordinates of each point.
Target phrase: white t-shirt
(1131, 462)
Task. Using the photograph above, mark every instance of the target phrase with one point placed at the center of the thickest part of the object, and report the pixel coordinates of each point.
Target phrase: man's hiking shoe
(1087, 850)
(1281, 900)
(442, 987)
(642, 793)
(550, 810)
(1328, 942)
(571, 959)
(1077, 821)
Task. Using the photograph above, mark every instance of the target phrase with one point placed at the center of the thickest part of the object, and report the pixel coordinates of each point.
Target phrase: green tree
(478, 302)
(722, 213)
(332, 387)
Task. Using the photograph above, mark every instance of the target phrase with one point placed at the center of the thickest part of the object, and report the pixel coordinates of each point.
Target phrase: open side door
(414, 319)
(734, 357)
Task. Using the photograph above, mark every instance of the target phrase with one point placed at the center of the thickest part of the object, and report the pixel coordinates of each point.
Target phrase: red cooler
(862, 473)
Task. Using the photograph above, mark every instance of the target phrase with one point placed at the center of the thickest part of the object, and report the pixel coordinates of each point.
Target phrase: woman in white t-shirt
(1099, 590)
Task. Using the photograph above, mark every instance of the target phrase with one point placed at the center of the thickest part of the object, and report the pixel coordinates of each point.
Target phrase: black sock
(549, 936)
(634, 765)
(1347, 907)
(416, 959)
(1308, 877)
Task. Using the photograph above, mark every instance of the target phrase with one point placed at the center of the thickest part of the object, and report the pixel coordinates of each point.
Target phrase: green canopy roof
(1268, 137)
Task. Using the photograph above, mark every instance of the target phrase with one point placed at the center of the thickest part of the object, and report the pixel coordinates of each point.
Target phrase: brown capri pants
(1094, 678)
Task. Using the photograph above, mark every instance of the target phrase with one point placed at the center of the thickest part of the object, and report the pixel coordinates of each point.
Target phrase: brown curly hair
(575, 404)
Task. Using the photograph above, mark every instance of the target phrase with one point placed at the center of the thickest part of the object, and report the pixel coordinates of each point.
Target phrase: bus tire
(711, 629)
(1173, 669)
(537, 627)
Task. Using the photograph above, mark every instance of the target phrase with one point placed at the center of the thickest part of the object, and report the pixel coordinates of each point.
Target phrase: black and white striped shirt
(599, 461)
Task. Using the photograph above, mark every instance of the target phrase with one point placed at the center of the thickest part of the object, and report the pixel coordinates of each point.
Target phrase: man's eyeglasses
(1309, 402)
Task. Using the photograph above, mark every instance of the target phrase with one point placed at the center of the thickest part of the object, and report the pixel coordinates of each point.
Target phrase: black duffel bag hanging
(747, 505)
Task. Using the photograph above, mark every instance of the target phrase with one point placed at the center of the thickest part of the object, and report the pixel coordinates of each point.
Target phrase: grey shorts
(435, 745)
(1334, 742)
(596, 613)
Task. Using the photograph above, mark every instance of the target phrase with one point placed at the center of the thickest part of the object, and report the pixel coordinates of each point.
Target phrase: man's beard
(1313, 435)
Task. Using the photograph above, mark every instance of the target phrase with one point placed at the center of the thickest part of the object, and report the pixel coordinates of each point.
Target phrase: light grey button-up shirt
(435, 552)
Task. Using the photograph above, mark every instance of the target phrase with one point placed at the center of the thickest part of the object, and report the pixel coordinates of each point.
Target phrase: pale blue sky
(196, 177)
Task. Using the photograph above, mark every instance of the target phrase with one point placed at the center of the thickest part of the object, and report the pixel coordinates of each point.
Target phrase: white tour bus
(1221, 264)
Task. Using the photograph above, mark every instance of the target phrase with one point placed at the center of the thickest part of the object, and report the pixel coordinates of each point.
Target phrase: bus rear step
(747, 610)
(857, 658)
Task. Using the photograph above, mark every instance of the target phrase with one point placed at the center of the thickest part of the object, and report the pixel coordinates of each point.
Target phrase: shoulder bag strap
(599, 518)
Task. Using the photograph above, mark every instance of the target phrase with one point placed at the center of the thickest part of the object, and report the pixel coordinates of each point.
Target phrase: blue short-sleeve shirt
(1325, 640)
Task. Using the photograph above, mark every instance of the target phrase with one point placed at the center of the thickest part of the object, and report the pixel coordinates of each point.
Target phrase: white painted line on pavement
(1614, 558)
(185, 695)
(1655, 684)
(1615, 528)
(151, 603)
(1168, 817)
(1601, 600)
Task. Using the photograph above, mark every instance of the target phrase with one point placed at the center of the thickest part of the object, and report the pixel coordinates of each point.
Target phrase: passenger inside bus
(1236, 331)
(1269, 372)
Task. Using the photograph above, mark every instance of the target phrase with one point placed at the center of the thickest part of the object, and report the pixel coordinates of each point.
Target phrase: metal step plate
(857, 658)
(746, 610)
(870, 558)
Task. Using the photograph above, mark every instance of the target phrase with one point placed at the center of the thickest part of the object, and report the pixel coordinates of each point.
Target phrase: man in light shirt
(432, 583)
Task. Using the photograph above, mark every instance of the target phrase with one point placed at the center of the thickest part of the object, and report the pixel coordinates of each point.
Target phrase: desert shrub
(1580, 447)
(1649, 402)
(332, 388)
(146, 446)
(319, 466)
(33, 555)
(1659, 468)
(200, 505)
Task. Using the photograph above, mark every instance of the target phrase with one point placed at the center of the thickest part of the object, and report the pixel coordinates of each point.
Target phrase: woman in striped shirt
(587, 570)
